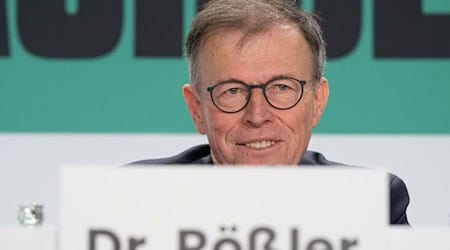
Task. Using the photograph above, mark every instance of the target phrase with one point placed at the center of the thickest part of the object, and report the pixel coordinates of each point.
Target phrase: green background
(122, 93)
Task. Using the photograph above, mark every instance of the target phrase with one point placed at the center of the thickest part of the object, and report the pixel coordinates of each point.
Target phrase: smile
(260, 144)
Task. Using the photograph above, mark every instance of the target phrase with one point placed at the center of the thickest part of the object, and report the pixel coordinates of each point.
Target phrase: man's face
(259, 134)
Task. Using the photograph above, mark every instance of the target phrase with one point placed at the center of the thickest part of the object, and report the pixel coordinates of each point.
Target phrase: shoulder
(316, 158)
(398, 192)
(399, 200)
(199, 154)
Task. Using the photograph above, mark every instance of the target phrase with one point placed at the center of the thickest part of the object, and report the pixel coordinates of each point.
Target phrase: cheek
(219, 124)
(299, 122)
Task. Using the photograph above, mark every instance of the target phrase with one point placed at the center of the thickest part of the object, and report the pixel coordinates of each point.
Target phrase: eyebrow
(273, 78)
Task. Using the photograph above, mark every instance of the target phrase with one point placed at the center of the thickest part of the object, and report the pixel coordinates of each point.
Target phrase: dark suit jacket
(399, 198)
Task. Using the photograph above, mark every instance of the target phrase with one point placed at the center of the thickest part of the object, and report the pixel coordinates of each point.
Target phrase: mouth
(259, 144)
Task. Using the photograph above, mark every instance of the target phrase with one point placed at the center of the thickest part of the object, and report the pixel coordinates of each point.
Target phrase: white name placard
(199, 208)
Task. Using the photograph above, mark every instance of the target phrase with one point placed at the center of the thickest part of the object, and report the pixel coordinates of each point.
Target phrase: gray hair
(253, 17)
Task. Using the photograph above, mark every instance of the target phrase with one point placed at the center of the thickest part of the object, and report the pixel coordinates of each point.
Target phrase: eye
(233, 91)
(230, 89)
(281, 86)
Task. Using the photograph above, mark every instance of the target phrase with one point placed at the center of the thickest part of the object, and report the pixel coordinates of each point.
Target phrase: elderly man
(257, 88)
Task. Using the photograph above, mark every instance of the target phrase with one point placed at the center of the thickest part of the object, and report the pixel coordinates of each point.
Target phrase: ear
(195, 109)
(320, 100)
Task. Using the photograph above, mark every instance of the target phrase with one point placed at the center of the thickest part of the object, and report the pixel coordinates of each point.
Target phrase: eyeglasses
(232, 96)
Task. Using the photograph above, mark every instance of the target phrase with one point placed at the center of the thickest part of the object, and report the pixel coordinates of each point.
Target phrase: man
(257, 89)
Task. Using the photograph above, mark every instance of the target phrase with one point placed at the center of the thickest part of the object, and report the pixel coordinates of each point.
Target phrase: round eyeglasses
(232, 96)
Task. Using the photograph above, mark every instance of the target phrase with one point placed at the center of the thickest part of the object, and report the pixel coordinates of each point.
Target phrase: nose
(258, 110)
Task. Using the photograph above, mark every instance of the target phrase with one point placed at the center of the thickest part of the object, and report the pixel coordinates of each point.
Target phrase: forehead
(280, 50)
